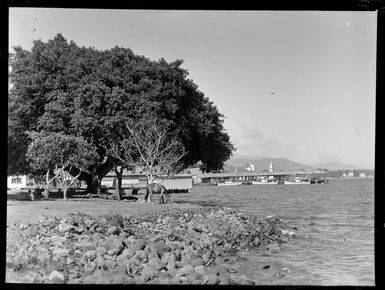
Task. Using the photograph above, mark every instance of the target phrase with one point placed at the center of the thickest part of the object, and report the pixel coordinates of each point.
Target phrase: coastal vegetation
(59, 87)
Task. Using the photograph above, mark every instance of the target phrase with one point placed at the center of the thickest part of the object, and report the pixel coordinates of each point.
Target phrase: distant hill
(263, 163)
(237, 156)
(240, 160)
(335, 166)
(281, 163)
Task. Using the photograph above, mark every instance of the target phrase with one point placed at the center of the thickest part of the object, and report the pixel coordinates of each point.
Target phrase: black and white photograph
(191, 147)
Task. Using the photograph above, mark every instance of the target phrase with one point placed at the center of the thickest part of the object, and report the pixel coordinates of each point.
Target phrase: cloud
(250, 138)
(330, 153)
(312, 154)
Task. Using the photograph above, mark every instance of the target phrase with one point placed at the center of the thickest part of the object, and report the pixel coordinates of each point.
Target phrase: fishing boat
(229, 183)
(273, 182)
(319, 180)
(264, 180)
(246, 182)
(259, 182)
(297, 180)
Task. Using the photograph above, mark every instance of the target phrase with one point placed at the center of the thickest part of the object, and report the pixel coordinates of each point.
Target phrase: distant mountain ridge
(284, 164)
(336, 166)
(263, 163)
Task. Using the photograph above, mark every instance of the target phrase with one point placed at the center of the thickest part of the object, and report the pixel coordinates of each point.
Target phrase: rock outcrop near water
(195, 246)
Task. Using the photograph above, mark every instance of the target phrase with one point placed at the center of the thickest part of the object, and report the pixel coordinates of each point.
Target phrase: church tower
(271, 167)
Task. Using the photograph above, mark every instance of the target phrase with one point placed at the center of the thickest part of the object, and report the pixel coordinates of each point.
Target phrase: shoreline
(181, 244)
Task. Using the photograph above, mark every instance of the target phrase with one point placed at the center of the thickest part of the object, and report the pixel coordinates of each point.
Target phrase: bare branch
(73, 179)
(52, 179)
(157, 151)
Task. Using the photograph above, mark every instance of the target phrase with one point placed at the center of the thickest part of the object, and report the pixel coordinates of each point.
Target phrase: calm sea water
(334, 243)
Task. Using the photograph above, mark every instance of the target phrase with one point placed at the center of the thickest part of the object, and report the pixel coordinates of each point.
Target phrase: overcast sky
(299, 85)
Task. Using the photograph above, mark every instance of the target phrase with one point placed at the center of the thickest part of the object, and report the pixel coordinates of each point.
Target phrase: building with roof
(17, 181)
(207, 178)
(178, 182)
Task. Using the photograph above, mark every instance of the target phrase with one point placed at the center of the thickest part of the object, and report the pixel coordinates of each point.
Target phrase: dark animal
(157, 188)
(135, 191)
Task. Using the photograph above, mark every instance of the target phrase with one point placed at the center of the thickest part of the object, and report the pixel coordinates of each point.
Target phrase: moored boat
(246, 182)
(297, 181)
(265, 182)
(229, 183)
(273, 182)
(259, 182)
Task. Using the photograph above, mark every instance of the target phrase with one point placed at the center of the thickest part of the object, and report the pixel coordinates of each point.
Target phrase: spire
(271, 167)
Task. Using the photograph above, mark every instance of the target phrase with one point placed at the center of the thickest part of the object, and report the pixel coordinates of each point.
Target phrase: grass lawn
(19, 210)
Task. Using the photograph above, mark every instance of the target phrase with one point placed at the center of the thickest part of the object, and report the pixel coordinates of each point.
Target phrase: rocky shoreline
(181, 246)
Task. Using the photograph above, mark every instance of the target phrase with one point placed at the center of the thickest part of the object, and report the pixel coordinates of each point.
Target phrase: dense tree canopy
(49, 150)
(63, 88)
(54, 152)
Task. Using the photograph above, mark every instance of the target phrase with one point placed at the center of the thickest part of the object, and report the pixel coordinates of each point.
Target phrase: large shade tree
(60, 87)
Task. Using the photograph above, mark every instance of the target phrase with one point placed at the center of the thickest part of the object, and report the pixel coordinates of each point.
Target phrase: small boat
(321, 180)
(265, 181)
(291, 182)
(297, 181)
(229, 183)
(272, 182)
(246, 182)
(259, 182)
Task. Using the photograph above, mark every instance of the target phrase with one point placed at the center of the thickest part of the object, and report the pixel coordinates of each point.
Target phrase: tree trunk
(93, 185)
(46, 193)
(120, 176)
(65, 194)
(46, 190)
(118, 183)
(117, 187)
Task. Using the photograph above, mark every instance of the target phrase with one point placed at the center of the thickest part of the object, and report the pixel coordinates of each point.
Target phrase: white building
(271, 170)
(17, 181)
(250, 167)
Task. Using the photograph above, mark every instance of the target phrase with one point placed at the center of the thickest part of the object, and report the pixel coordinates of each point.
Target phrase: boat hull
(229, 183)
(261, 182)
(293, 182)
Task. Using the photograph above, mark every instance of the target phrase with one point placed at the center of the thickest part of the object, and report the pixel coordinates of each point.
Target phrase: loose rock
(155, 263)
(113, 230)
(185, 270)
(90, 255)
(170, 247)
(148, 273)
(55, 275)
